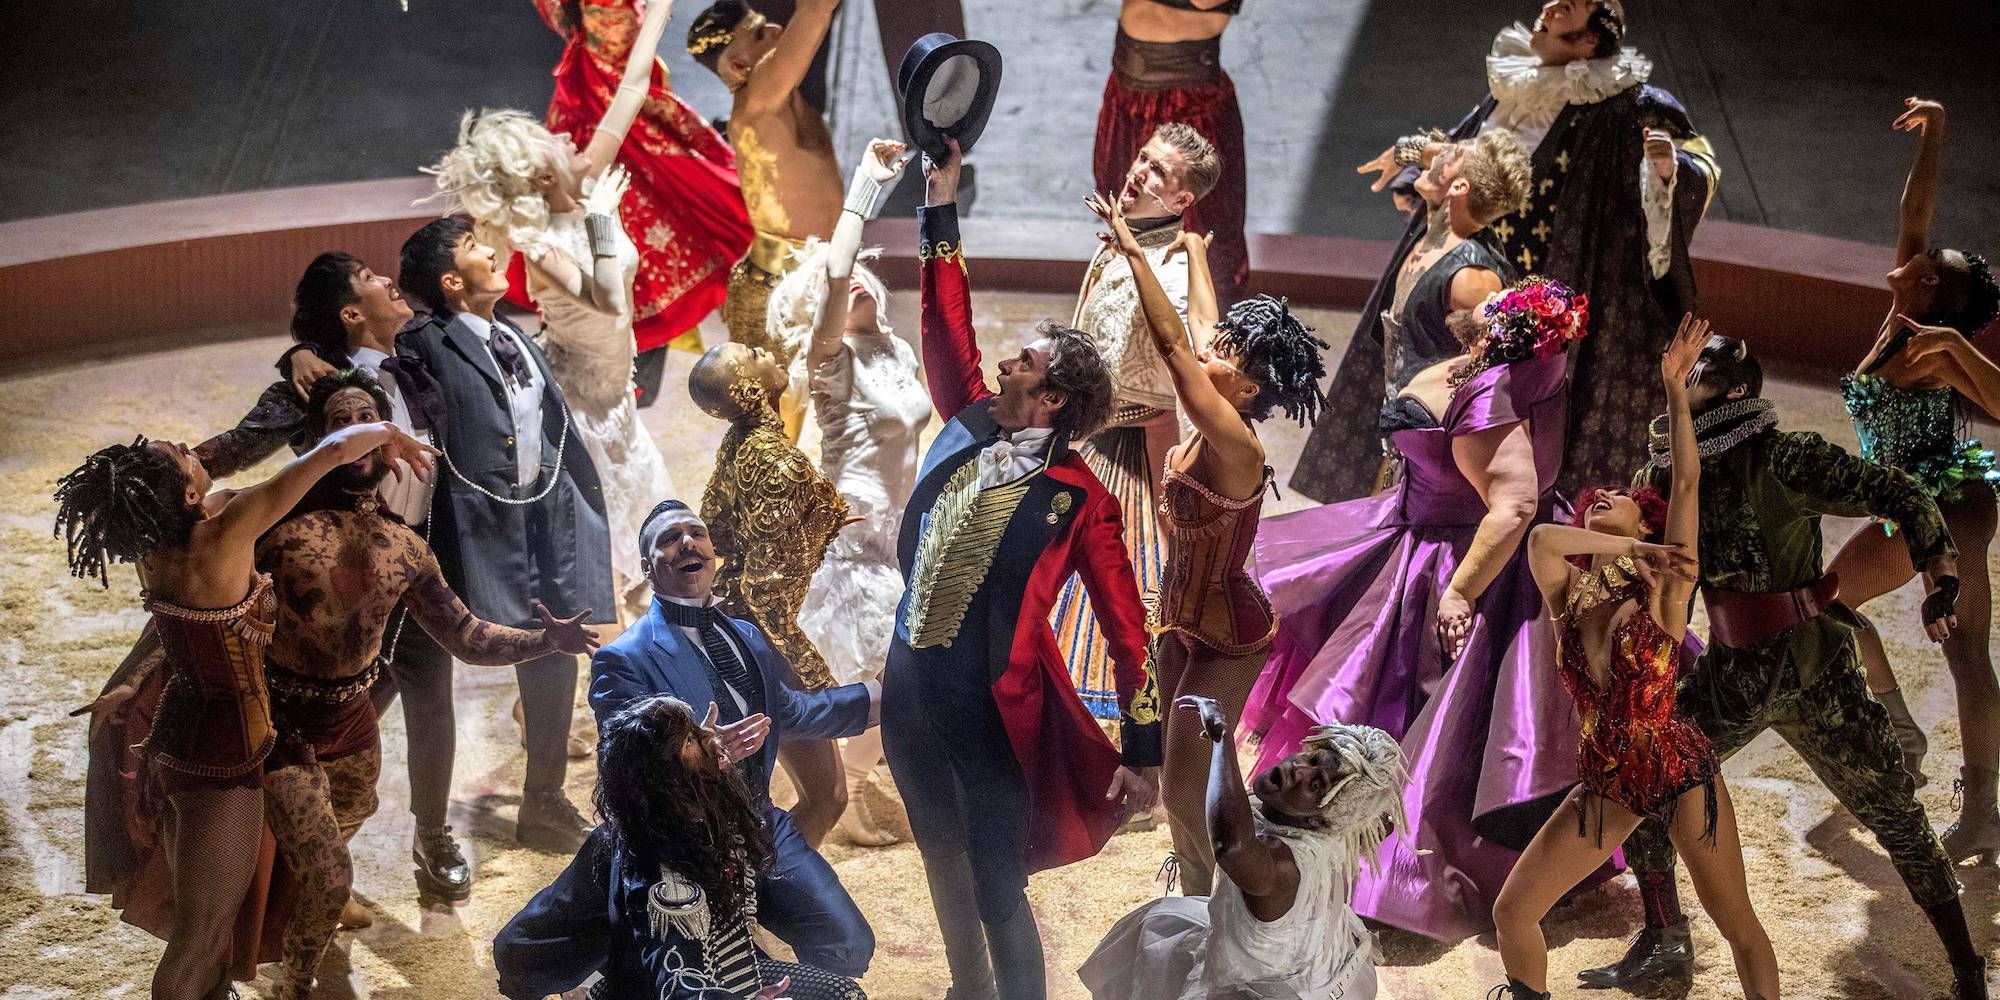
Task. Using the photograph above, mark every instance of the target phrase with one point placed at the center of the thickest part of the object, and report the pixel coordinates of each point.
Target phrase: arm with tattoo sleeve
(465, 635)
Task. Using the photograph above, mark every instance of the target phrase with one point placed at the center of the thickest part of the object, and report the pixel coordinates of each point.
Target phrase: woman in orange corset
(209, 718)
(1214, 627)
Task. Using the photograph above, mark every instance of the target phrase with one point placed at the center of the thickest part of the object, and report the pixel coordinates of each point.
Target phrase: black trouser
(420, 671)
(548, 700)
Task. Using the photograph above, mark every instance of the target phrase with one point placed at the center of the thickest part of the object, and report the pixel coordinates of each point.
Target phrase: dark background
(115, 102)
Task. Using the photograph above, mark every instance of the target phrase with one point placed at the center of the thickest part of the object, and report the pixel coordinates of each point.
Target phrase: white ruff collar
(1530, 95)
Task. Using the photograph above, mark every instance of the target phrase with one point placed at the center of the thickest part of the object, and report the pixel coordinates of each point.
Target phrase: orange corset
(1205, 593)
(215, 714)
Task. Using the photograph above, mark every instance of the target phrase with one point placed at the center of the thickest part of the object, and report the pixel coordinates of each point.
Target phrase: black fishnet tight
(212, 838)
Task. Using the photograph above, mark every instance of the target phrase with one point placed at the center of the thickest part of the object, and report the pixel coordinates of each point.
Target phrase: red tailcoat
(684, 210)
(1064, 756)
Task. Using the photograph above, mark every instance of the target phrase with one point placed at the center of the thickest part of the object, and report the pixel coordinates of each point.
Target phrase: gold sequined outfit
(771, 516)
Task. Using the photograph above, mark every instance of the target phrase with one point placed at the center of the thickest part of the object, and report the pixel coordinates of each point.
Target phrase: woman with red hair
(1618, 578)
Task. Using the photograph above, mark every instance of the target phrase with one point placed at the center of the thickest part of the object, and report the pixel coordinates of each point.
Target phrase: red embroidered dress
(685, 208)
(1636, 750)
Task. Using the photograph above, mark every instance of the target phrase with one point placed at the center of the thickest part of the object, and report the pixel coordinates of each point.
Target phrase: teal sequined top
(1916, 431)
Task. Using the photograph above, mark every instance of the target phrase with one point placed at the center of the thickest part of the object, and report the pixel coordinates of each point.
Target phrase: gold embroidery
(961, 535)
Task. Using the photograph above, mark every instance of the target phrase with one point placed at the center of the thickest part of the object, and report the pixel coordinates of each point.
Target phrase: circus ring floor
(1842, 922)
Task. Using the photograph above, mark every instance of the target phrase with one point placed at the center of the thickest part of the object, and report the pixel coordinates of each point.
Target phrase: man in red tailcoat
(1003, 770)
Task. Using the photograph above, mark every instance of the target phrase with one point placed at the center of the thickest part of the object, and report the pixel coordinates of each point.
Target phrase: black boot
(1968, 966)
(1968, 982)
(548, 822)
(1514, 990)
(442, 874)
(1662, 955)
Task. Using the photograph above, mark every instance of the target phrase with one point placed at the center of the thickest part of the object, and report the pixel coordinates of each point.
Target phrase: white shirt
(408, 497)
(524, 401)
(1013, 456)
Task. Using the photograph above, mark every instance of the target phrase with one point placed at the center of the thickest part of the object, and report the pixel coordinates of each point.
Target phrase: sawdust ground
(1841, 920)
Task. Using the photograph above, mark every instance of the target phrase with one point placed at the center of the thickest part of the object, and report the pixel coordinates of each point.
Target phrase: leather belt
(1740, 621)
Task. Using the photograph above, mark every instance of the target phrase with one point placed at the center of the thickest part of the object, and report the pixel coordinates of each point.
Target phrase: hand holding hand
(307, 368)
(1214, 724)
(1191, 244)
(1454, 621)
(1384, 166)
(1660, 153)
(568, 635)
(1919, 116)
(941, 179)
(1120, 238)
(885, 160)
(1135, 790)
(1678, 363)
(609, 190)
(739, 740)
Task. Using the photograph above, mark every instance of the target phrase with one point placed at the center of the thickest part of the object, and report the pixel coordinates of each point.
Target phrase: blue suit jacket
(655, 657)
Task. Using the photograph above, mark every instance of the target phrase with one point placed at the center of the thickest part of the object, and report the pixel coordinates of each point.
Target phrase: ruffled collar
(1716, 430)
(1529, 95)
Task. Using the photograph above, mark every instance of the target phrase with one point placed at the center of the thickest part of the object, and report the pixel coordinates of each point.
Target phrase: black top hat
(947, 86)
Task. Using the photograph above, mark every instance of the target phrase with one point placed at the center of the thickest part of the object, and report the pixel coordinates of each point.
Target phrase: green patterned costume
(1761, 503)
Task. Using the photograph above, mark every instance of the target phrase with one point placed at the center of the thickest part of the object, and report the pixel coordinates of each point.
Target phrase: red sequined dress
(684, 210)
(1637, 750)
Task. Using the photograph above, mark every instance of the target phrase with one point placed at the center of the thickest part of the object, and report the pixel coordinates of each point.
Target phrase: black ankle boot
(442, 873)
(548, 822)
(1968, 982)
(1514, 990)
(1663, 955)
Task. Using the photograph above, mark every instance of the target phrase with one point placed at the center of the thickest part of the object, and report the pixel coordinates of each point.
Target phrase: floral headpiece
(1536, 318)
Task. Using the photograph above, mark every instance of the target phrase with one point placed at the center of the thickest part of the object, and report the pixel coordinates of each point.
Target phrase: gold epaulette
(961, 535)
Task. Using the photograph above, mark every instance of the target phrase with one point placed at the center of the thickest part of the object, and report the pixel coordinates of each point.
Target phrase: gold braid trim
(961, 537)
(943, 250)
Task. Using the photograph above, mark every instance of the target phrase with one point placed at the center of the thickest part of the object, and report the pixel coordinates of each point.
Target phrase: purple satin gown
(1491, 737)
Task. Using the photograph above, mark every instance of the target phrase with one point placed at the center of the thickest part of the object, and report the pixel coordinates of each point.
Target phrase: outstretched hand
(1678, 363)
(609, 190)
(1120, 238)
(1384, 166)
(741, 739)
(1214, 724)
(885, 160)
(1919, 116)
(419, 457)
(568, 635)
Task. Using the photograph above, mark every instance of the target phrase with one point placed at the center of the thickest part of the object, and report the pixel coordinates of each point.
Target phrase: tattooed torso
(340, 575)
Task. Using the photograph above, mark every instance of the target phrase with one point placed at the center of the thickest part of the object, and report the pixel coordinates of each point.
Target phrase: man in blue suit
(687, 648)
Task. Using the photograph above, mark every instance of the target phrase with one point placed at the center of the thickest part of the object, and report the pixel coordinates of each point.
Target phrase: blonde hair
(490, 176)
(1204, 164)
(1497, 168)
(793, 309)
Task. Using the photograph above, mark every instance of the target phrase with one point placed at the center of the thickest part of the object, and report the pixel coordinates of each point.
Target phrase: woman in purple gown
(1414, 612)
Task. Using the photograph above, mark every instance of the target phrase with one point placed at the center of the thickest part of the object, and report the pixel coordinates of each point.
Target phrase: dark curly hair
(1077, 371)
(1967, 298)
(323, 391)
(1277, 352)
(324, 290)
(1608, 28)
(121, 503)
(701, 823)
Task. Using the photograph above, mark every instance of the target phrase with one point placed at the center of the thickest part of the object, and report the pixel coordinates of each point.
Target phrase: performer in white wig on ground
(531, 190)
(1279, 923)
(830, 313)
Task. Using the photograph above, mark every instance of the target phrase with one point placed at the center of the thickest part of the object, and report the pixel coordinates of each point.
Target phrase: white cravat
(1013, 456)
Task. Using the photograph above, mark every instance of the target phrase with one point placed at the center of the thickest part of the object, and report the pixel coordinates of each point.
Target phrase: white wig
(1366, 804)
(793, 309)
(490, 176)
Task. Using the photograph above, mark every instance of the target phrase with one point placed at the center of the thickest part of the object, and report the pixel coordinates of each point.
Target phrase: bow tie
(508, 353)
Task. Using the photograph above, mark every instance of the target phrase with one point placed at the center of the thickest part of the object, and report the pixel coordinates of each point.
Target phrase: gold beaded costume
(771, 516)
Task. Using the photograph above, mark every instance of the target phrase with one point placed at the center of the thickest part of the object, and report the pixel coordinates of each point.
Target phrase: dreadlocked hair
(121, 503)
(1967, 298)
(1279, 353)
(700, 822)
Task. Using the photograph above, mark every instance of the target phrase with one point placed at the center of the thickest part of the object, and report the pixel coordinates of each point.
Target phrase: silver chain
(562, 440)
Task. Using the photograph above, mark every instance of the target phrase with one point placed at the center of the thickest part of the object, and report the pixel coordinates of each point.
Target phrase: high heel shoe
(1909, 735)
(1977, 831)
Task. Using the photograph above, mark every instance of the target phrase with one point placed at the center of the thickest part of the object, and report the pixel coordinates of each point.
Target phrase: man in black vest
(518, 517)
